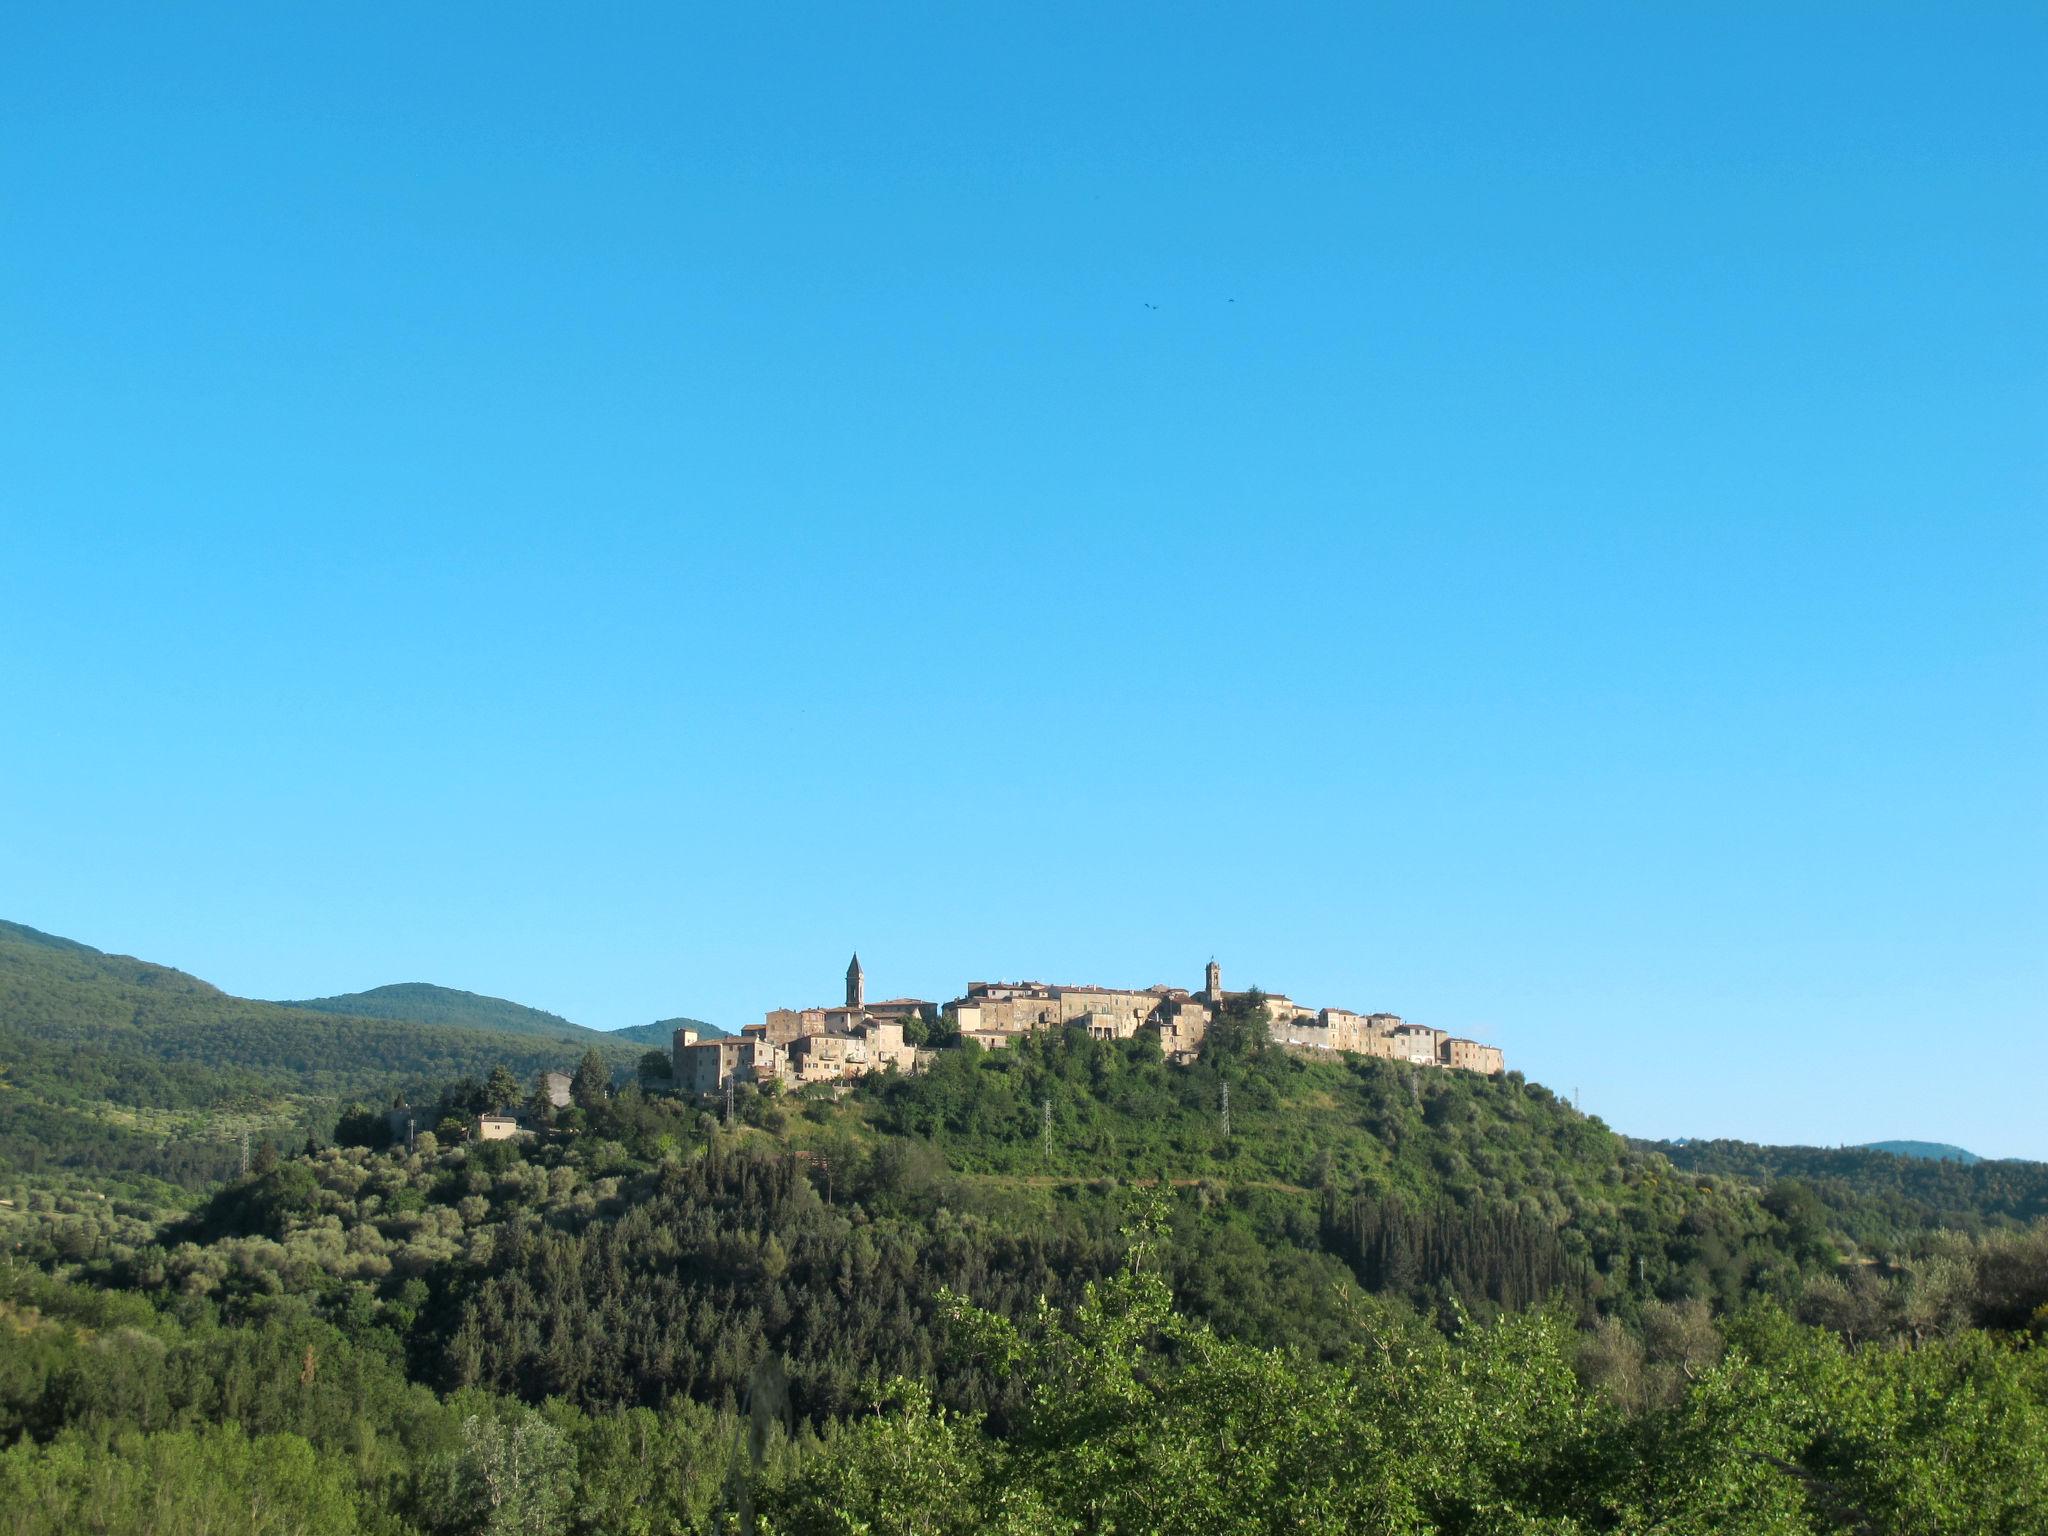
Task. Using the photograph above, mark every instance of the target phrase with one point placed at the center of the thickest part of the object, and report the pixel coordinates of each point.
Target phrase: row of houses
(797, 1046)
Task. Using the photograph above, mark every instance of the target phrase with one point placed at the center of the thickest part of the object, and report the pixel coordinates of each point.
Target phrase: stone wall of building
(1471, 1056)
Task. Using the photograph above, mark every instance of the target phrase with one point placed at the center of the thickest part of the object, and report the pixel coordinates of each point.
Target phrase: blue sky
(616, 508)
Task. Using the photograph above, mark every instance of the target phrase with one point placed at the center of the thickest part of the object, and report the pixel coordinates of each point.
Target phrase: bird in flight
(1151, 306)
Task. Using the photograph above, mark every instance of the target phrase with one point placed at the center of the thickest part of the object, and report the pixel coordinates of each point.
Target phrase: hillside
(834, 1222)
(421, 1002)
(1875, 1194)
(138, 1076)
(614, 1264)
(1937, 1151)
(1433, 1286)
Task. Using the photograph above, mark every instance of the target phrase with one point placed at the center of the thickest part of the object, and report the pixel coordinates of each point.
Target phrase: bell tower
(856, 985)
(1212, 984)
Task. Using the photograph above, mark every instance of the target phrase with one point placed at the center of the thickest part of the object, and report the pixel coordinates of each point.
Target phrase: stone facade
(705, 1066)
(1471, 1056)
(800, 1046)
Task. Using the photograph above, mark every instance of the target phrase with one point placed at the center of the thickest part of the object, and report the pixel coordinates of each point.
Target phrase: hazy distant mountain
(421, 1002)
(1938, 1151)
(662, 1031)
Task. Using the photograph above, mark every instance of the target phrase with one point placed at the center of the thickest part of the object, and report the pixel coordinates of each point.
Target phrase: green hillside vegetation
(139, 1080)
(420, 1002)
(899, 1310)
(1876, 1196)
(1036, 1290)
(1939, 1151)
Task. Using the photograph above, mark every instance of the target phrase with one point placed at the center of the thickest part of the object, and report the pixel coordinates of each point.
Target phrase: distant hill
(1875, 1189)
(1936, 1151)
(424, 1003)
(113, 1068)
(662, 1031)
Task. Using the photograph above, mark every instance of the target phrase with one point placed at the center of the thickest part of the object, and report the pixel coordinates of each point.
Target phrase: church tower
(1212, 984)
(856, 985)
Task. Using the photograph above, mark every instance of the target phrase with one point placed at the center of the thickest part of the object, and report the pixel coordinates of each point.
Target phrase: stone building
(806, 1045)
(991, 1011)
(1418, 1043)
(1471, 1056)
(1018, 1007)
(705, 1066)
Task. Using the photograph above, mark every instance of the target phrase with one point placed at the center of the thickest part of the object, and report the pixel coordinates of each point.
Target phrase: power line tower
(728, 1102)
(245, 1154)
(1226, 1111)
(1045, 1128)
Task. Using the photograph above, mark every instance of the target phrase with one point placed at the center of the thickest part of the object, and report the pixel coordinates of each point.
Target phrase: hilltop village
(799, 1046)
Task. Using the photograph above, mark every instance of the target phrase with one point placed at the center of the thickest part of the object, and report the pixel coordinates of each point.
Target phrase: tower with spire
(856, 984)
(1212, 984)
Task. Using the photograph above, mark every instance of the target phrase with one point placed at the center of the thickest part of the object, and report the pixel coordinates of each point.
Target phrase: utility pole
(1045, 1129)
(1226, 1112)
(245, 1154)
(728, 1101)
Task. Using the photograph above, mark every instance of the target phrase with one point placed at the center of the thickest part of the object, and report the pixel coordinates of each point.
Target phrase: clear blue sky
(616, 507)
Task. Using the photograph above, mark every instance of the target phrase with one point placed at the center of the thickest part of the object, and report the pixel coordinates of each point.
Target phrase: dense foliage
(1046, 1289)
(420, 1002)
(1879, 1196)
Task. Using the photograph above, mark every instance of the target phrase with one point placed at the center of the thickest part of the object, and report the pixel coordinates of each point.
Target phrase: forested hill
(1415, 1300)
(1939, 1151)
(1868, 1188)
(422, 1002)
(134, 1074)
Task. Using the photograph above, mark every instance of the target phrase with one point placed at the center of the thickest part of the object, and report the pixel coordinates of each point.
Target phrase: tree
(501, 1088)
(1240, 1029)
(656, 1067)
(591, 1088)
(508, 1475)
(540, 1109)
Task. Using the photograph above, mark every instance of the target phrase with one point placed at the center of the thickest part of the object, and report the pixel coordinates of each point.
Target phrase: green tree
(591, 1087)
(501, 1088)
(508, 1476)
